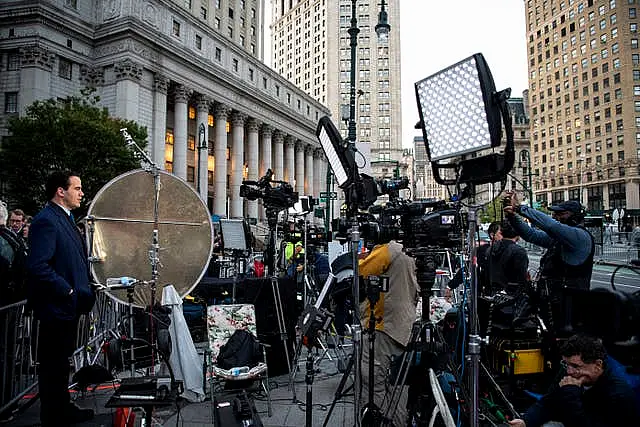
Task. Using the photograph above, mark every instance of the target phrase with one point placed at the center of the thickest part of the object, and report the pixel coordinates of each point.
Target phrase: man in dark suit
(59, 292)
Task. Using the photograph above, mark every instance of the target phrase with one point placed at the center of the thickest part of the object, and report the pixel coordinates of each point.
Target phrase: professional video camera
(275, 198)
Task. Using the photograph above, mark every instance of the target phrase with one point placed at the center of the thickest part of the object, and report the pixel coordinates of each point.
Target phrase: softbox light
(461, 113)
(341, 159)
(456, 108)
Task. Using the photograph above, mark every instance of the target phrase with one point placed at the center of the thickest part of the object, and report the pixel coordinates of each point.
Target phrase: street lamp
(525, 156)
(383, 27)
(202, 145)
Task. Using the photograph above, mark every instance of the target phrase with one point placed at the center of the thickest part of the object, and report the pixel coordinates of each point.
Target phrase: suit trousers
(56, 343)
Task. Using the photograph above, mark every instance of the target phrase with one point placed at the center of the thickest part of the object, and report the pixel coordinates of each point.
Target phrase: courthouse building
(190, 71)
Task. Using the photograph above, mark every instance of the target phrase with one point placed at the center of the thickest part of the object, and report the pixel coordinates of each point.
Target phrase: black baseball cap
(568, 206)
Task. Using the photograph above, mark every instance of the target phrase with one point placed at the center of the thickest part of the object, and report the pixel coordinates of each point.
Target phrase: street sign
(331, 195)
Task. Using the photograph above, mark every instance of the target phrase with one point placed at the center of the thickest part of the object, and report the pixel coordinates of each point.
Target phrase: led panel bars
(457, 110)
(341, 160)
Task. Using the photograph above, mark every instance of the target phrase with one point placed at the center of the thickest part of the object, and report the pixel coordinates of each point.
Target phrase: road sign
(331, 195)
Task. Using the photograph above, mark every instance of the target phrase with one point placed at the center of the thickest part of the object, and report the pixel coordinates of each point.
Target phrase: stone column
(300, 168)
(309, 187)
(265, 155)
(265, 160)
(237, 162)
(289, 159)
(278, 155)
(633, 194)
(252, 162)
(128, 75)
(181, 97)
(160, 86)
(35, 76)
(318, 182)
(203, 151)
(220, 172)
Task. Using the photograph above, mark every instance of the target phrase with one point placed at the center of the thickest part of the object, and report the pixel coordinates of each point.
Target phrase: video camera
(276, 198)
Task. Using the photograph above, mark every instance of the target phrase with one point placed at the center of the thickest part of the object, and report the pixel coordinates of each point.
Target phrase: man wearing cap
(568, 260)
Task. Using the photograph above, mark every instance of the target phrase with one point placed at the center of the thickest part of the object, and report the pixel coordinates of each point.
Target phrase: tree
(66, 134)
(492, 211)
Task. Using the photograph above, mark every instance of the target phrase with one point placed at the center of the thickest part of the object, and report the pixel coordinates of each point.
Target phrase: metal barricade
(18, 349)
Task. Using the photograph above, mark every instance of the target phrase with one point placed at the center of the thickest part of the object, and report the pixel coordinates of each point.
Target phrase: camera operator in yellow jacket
(395, 313)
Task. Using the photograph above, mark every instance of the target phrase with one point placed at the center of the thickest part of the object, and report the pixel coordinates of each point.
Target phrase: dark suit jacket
(57, 263)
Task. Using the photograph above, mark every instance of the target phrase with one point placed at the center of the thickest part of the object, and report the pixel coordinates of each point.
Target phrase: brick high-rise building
(584, 102)
(311, 48)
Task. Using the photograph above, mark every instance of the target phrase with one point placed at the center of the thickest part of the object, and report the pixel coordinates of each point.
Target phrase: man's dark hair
(493, 228)
(56, 180)
(588, 348)
(17, 212)
(507, 230)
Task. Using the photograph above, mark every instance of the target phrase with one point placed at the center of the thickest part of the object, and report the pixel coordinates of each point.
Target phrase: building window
(64, 69)
(13, 62)
(198, 42)
(251, 74)
(230, 32)
(191, 113)
(216, 23)
(168, 137)
(11, 102)
(71, 3)
(230, 13)
(264, 82)
(168, 166)
(203, 13)
(191, 174)
(218, 54)
(235, 65)
(176, 28)
(191, 142)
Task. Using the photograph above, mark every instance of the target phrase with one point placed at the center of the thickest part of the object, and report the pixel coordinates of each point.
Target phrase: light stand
(461, 113)
(155, 241)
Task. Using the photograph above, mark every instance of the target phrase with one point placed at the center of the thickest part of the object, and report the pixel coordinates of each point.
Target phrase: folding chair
(222, 322)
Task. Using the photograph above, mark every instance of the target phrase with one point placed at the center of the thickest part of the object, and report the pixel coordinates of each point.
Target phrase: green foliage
(71, 133)
(492, 211)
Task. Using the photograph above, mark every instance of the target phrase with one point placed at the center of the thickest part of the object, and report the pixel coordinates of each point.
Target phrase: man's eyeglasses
(575, 367)
(15, 221)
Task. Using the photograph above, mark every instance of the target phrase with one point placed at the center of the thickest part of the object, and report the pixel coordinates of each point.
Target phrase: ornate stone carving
(160, 83)
(36, 56)
(253, 124)
(300, 147)
(309, 150)
(202, 103)
(267, 130)
(127, 46)
(278, 137)
(150, 14)
(238, 118)
(180, 94)
(111, 9)
(318, 153)
(91, 76)
(128, 69)
(220, 112)
(290, 141)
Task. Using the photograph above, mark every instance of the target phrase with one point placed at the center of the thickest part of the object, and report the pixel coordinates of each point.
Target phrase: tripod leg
(280, 316)
(339, 390)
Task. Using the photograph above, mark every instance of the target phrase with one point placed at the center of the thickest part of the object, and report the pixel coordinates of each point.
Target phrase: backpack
(242, 349)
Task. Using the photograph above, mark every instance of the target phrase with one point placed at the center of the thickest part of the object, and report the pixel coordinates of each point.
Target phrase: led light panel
(453, 110)
(340, 159)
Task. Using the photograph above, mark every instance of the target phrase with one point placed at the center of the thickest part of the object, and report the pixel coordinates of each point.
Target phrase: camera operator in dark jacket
(590, 393)
(568, 261)
(508, 261)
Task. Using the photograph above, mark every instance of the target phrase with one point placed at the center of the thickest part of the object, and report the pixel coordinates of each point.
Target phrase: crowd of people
(14, 232)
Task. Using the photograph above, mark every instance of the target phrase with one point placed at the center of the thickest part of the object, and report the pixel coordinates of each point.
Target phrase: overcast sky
(437, 33)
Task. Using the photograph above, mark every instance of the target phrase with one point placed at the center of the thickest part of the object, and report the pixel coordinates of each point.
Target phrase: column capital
(238, 118)
(309, 150)
(253, 124)
(278, 136)
(318, 153)
(266, 129)
(180, 94)
(203, 102)
(160, 83)
(290, 141)
(128, 69)
(220, 111)
(300, 146)
(36, 56)
(91, 76)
